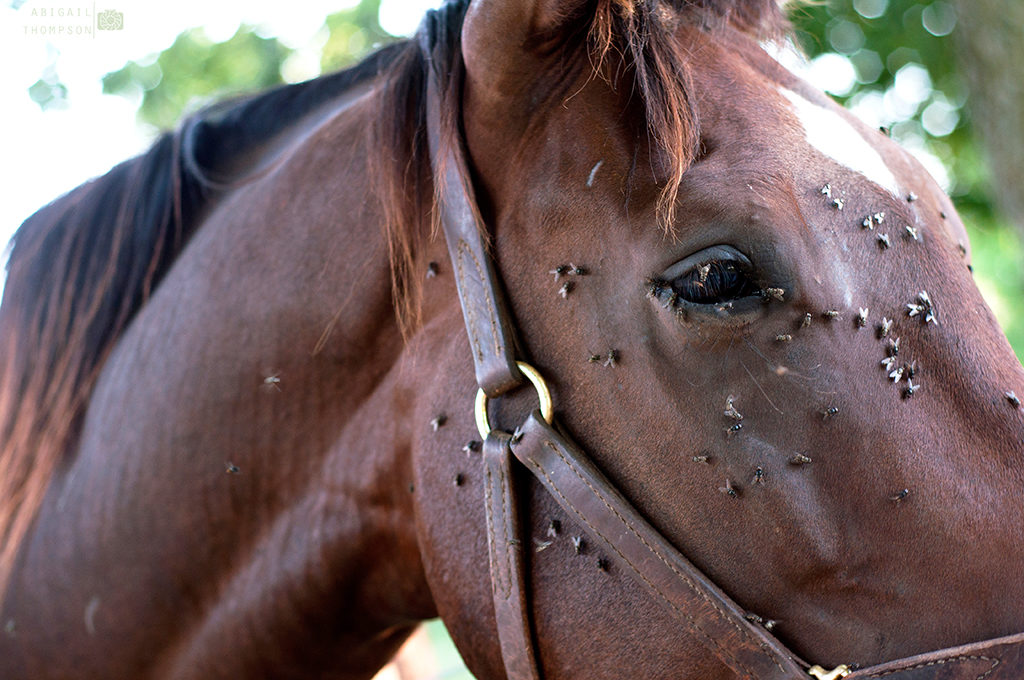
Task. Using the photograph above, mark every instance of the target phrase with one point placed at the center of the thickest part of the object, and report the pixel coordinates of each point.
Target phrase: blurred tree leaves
(195, 70)
(194, 67)
(351, 33)
(49, 92)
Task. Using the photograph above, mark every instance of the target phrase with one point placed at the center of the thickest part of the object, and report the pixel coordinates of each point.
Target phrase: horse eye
(712, 282)
(713, 276)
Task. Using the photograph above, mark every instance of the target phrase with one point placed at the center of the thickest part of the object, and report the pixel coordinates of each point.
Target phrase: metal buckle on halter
(543, 396)
(838, 672)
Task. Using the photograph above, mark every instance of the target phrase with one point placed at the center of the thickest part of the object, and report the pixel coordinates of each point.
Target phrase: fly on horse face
(778, 433)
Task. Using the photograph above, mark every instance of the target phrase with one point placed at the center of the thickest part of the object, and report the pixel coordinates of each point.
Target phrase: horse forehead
(837, 138)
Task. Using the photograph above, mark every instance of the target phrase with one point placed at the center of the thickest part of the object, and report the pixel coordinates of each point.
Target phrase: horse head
(757, 315)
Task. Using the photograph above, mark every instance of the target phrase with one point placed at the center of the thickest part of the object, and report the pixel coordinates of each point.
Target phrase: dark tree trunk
(990, 36)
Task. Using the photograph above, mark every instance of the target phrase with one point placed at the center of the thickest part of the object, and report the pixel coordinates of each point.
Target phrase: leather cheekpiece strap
(640, 550)
(505, 551)
(483, 306)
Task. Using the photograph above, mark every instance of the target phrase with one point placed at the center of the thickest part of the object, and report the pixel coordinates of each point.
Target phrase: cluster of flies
(564, 271)
(922, 307)
(875, 219)
(895, 368)
(735, 419)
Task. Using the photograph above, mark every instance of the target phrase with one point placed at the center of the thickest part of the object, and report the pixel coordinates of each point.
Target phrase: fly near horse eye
(730, 489)
(730, 409)
(578, 545)
(713, 282)
(862, 317)
(900, 495)
(559, 271)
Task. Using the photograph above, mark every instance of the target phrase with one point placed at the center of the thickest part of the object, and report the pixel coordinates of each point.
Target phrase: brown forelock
(643, 34)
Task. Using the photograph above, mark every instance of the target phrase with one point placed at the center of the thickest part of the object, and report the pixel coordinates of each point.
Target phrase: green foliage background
(879, 37)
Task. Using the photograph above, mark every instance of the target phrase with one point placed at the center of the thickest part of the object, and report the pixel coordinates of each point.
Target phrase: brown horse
(235, 416)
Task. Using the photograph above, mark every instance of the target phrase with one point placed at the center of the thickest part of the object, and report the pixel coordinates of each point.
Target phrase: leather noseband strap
(610, 521)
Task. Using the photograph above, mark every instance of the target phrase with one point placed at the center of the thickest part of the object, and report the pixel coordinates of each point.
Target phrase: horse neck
(317, 316)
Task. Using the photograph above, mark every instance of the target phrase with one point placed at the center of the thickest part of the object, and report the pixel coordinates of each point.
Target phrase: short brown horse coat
(308, 559)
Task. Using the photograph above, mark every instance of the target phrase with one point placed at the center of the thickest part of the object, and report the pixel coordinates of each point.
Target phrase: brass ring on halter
(834, 674)
(543, 396)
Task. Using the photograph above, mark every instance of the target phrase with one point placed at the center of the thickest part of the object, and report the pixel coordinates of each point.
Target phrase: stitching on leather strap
(509, 546)
(461, 249)
(693, 624)
(497, 576)
(939, 662)
(464, 249)
(672, 568)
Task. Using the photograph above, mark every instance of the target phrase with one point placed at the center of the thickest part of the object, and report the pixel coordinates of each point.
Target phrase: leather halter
(704, 611)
